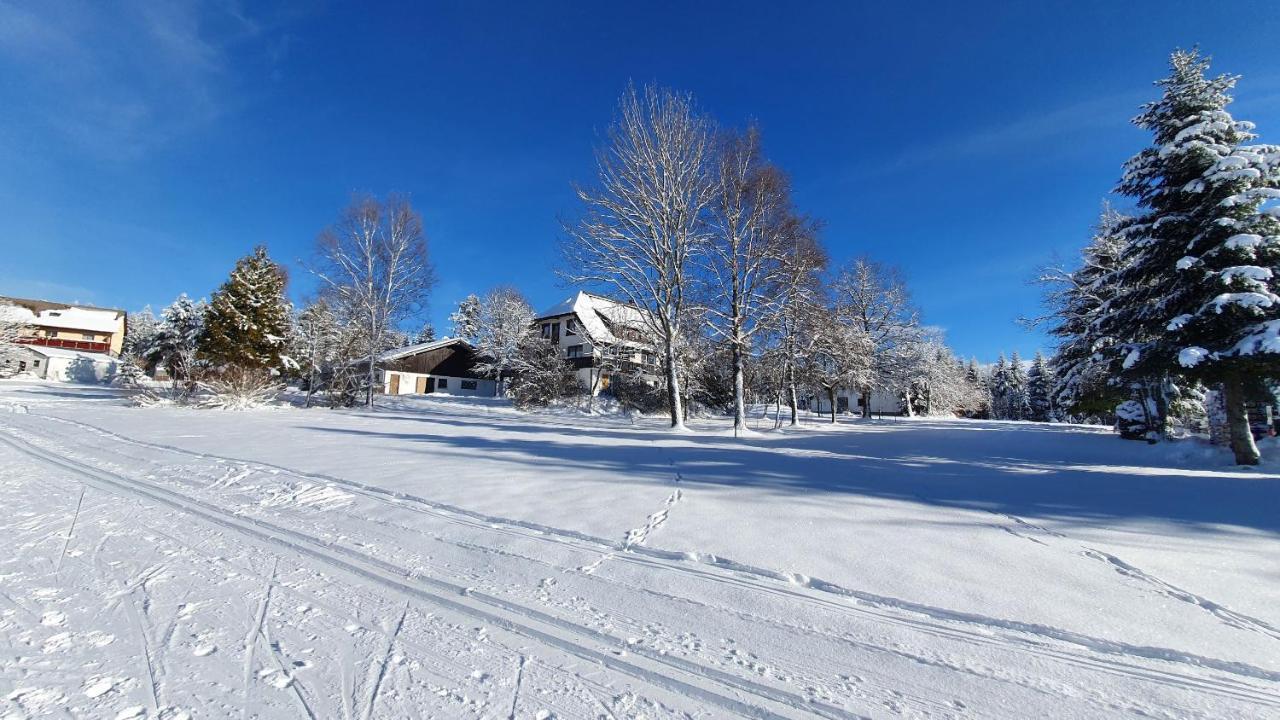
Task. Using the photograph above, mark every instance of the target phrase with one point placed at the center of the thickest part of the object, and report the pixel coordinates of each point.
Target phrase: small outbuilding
(445, 366)
(63, 365)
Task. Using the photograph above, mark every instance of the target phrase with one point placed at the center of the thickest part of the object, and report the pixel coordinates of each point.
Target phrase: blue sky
(145, 146)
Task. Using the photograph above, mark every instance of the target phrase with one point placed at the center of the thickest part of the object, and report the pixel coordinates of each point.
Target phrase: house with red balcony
(83, 328)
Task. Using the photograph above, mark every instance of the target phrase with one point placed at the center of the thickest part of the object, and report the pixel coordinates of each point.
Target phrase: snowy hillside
(455, 560)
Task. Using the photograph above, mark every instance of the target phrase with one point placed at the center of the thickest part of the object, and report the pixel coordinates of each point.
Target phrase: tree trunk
(739, 389)
(369, 393)
(866, 401)
(831, 393)
(910, 411)
(792, 400)
(673, 385)
(1242, 444)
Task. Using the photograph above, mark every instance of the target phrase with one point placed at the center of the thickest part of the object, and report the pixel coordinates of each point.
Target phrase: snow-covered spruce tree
(643, 221)
(426, 334)
(1086, 363)
(998, 384)
(502, 328)
(1019, 407)
(175, 346)
(1206, 245)
(248, 320)
(140, 332)
(1040, 384)
(466, 319)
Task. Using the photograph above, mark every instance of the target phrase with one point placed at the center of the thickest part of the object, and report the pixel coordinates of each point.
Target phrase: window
(468, 384)
(35, 363)
(442, 383)
(571, 326)
(53, 333)
(574, 351)
(87, 336)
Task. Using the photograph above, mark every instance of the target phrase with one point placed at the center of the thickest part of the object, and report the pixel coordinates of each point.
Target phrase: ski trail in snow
(381, 667)
(251, 640)
(669, 672)
(1232, 618)
(515, 694)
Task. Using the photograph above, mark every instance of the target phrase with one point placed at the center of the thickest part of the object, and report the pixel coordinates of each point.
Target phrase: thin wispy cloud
(115, 81)
(1021, 135)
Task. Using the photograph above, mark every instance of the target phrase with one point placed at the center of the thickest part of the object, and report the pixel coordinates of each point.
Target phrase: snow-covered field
(453, 560)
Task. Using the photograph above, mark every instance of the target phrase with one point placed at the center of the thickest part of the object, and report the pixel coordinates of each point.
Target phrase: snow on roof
(596, 313)
(420, 348)
(57, 315)
(52, 352)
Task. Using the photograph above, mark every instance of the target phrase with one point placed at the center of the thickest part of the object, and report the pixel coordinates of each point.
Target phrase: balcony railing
(82, 345)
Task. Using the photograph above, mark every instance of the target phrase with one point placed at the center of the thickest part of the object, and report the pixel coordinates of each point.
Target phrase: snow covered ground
(458, 559)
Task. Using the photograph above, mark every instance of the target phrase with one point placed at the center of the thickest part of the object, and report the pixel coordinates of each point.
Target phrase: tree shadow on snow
(1019, 471)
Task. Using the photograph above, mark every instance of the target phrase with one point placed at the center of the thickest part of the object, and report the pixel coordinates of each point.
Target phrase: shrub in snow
(240, 389)
(540, 375)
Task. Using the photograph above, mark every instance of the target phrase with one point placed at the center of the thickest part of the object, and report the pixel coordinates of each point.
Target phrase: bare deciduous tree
(373, 262)
(876, 300)
(750, 221)
(502, 325)
(644, 218)
(798, 296)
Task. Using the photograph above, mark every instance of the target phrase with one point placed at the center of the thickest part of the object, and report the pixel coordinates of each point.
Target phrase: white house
(601, 339)
(444, 367)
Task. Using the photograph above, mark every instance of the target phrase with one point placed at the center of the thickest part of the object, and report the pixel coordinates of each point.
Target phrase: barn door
(395, 384)
(421, 389)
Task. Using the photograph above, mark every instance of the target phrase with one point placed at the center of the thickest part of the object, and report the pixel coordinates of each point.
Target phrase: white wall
(881, 402)
(81, 369)
(409, 384)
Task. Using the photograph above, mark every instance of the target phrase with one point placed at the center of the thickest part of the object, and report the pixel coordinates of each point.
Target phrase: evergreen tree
(140, 333)
(1086, 364)
(466, 319)
(999, 388)
(426, 334)
(1016, 392)
(1040, 390)
(248, 320)
(175, 345)
(1200, 289)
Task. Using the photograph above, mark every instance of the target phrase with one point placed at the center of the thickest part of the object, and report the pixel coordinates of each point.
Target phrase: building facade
(81, 328)
(444, 367)
(601, 339)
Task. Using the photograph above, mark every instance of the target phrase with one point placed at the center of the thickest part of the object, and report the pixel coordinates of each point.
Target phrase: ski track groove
(679, 561)
(382, 664)
(393, 578)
